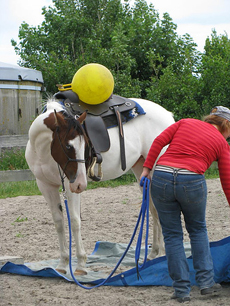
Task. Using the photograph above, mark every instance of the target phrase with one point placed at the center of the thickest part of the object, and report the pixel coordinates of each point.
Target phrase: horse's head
(68, 147)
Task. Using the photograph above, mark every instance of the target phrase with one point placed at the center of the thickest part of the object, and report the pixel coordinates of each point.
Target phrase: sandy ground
(108, 214)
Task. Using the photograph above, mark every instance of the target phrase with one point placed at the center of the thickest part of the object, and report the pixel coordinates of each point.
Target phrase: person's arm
(224, 171)
(158, 144)
(146, 173)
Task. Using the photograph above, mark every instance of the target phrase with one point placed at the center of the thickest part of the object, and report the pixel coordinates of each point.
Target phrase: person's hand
(145, 173)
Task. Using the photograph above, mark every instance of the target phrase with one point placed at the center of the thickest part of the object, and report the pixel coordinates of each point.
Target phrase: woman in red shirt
(178, 186)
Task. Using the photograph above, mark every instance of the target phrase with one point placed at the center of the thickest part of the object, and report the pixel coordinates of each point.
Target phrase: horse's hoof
(80, 272)
(62, 271)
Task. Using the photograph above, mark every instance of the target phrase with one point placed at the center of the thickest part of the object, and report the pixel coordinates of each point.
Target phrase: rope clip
(64, 195)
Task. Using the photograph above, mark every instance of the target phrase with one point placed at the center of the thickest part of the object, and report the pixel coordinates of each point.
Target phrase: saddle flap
(97, 132)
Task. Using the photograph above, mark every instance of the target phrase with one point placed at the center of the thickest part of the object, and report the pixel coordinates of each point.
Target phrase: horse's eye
(68, 147)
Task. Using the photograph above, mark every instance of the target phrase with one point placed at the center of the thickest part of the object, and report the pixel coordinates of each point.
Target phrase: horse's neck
(40, 135)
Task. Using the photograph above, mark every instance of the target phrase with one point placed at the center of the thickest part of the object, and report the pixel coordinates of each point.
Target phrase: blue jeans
(175, 194)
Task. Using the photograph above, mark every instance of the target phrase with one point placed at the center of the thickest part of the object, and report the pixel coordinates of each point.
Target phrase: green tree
(215, 72)
(175, 82)
(105, 31)
(145, 55)
(72, 34)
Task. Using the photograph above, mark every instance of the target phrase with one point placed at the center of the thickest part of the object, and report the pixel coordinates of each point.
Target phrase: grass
(28, 188)
(15, 159)
(212, 173)
(125, 179)
(15, 189)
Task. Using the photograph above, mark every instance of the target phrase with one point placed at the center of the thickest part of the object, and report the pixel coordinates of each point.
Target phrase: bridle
(90, 160)
(77, 160)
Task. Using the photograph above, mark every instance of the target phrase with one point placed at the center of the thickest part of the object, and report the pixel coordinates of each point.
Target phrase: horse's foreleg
(157, 248)
(158, 243)
(51, 195)
(75, 218)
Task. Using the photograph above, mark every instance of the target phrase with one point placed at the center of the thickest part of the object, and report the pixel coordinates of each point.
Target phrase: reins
(144, 214)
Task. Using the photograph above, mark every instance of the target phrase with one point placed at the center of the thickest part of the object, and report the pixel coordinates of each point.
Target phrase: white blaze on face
(80, 182)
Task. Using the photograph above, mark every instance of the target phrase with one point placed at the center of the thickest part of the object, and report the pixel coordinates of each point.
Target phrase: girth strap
(121, 137)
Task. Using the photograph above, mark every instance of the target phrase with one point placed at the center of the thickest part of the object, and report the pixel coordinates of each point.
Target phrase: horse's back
(155, 120)
(155, 111)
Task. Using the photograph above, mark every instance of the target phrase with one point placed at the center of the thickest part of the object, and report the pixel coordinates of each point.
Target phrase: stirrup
(91, 173)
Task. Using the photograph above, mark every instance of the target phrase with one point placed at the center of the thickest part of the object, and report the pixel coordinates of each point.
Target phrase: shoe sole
(181, 299)
(211, 291)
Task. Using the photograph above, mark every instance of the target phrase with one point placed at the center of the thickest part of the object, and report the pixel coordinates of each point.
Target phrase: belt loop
(175, 173)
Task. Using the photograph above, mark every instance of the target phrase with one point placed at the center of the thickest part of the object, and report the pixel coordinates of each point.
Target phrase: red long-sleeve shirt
(193, 145)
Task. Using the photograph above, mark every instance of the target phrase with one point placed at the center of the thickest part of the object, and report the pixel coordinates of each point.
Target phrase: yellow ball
(93, 83)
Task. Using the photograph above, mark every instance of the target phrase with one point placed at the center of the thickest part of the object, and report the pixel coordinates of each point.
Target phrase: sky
(197, 18)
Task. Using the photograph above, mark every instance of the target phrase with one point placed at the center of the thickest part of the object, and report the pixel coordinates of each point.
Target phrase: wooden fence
(16, 176)
(8, 142)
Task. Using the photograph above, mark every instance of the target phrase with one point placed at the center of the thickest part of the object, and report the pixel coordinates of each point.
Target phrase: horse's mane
(72, 123)
(66, 118)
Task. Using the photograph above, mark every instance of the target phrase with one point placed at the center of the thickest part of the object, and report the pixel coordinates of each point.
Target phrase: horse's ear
(58, 119)
(81, 119)
(55, 118)
(52, 121)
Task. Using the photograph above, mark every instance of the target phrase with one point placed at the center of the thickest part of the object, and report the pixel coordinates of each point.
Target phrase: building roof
(10, 72)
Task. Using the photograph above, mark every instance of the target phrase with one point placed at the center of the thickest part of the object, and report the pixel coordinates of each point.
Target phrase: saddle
(99, 118)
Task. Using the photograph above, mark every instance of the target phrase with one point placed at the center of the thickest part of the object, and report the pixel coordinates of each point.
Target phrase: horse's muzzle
(78, 183)
(72, 180)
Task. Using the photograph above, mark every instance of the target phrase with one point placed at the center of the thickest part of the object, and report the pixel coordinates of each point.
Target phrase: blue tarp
(155, 272)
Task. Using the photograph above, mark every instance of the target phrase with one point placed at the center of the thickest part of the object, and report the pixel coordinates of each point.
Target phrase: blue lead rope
(144, 211)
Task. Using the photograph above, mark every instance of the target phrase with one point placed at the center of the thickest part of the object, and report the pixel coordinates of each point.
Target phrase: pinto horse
(57, 144)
